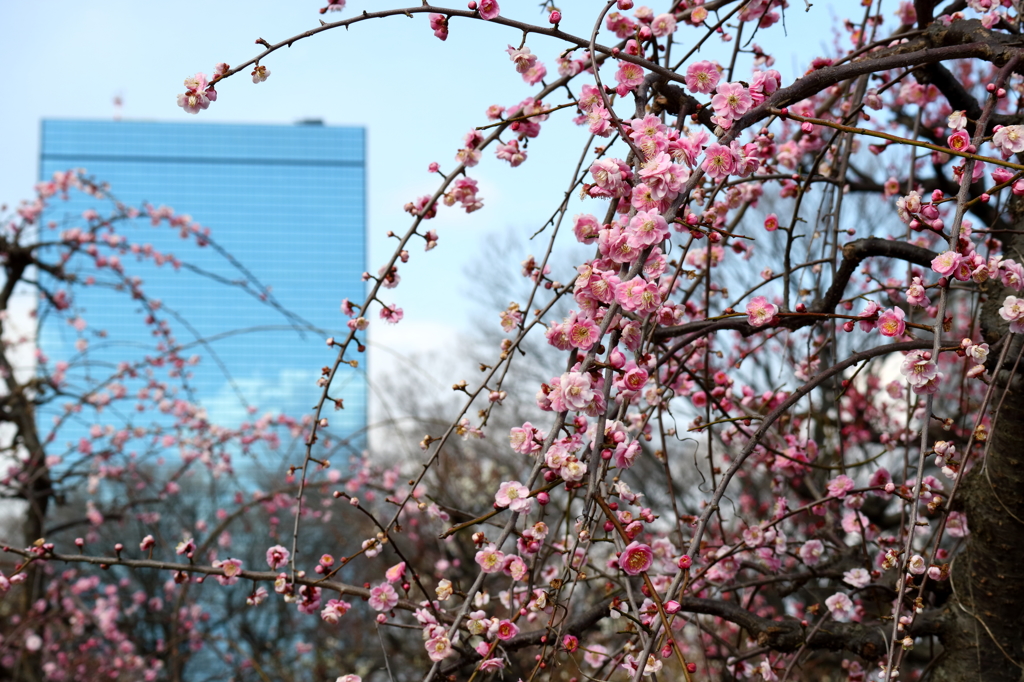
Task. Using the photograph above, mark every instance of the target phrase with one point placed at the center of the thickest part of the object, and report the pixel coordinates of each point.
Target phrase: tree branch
(789, 634)
(853, 254)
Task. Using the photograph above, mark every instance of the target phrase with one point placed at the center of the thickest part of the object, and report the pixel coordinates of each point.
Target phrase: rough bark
(984, 638)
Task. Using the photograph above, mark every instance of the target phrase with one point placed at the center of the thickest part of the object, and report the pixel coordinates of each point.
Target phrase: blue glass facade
(287, 203)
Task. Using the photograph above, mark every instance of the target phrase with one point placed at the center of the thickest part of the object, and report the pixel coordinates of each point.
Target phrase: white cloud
(293, 391)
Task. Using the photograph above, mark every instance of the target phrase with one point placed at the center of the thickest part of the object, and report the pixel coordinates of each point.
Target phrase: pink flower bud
(554, 17)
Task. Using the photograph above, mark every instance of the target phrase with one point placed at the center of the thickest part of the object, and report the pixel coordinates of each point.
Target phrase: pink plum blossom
(959, 141)
(946, 262)
(198, 94)
(916, 294)
(395, 573)
(335, 609)
(490, 559)
(506, 630)
(576, 390)
(514, 495)
(231, 567)
(636, 558)
(920, 371)
(522, 58)
(583, 333)
(515, 567)
(535, 74)
(760, 312)
(663, 25)
(891, 323)
(719, 162)
(732, 101)
(522, 439)
(589, 98)
(857, 577)
(572, 470)
(511, 152)
(439, 25)
(840, 485)
(810, 552)
(599, 121)
(383, 597)
(391, 314)
(439, 648)
(488, 9)
(702, 77)
(586, 228)
(840, 606)
(628, 76)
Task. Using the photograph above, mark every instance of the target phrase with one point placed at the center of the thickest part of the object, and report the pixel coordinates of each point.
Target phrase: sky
(417, 97)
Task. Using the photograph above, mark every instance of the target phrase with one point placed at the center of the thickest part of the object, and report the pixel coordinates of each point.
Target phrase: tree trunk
(985, 636)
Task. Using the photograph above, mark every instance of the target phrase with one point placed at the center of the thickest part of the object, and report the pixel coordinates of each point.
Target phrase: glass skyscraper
(285, 207)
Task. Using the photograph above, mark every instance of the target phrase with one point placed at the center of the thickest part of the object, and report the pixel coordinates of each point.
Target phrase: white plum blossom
(1013, 312)
(1009, 140)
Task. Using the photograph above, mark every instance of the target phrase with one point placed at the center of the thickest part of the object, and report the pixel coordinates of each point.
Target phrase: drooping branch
(960, 99)
(576, 627)
(785, 635)
(960, 40)
(255, 576)
(853, 254)
(788, 635)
